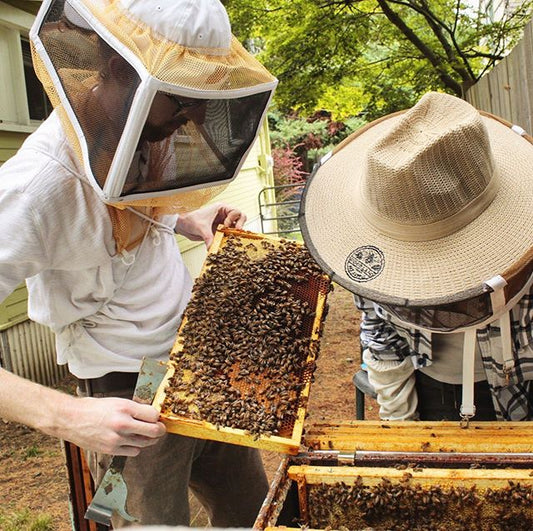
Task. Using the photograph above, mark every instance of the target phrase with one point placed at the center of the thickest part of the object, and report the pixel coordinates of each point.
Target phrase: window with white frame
(23, 102)
(39, 106)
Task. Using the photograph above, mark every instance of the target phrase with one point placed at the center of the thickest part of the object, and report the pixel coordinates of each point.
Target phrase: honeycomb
(407, 506)
(247, 346)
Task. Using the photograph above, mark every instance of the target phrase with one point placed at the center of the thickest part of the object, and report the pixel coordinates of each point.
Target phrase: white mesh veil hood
(159, 99)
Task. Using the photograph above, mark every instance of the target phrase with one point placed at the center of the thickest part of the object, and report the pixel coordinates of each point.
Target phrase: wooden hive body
(406, 475)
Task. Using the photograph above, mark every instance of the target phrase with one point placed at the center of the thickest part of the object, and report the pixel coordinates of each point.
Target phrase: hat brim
(425, 273)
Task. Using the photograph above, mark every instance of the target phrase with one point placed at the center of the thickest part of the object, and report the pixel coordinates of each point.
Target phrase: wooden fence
(507, 90)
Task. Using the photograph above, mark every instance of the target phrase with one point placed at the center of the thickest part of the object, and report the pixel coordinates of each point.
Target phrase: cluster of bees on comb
(406, 506)
(245, 349)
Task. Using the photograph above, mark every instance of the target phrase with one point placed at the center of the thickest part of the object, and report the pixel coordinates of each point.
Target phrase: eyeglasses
(182, 105)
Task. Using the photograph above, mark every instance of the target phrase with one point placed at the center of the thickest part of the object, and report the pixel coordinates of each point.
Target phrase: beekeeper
(156, 107)
(431, 210)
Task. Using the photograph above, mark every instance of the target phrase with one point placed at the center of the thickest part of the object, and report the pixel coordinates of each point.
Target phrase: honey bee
(245, 336)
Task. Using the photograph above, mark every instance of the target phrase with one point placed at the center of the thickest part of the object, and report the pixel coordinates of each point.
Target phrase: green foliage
(307, 139)
(371, 57)
(293, 130)
(25, 520)
(344, 101)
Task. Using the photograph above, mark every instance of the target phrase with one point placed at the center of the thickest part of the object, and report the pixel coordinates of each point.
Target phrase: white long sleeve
(107, 314)
(394, 383)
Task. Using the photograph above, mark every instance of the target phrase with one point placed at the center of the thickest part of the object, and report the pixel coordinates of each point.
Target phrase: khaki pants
(228, 480)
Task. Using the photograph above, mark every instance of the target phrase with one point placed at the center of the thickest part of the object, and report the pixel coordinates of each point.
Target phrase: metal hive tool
(112, 493)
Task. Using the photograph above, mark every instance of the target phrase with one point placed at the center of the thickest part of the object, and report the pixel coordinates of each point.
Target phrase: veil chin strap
(468, 409)
(497, 299)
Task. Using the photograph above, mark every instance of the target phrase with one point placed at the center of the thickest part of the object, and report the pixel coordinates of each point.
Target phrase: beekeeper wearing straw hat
(431, 212)
(156, 107)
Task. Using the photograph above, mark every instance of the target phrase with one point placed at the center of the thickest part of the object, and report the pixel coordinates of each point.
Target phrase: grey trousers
(228, 480)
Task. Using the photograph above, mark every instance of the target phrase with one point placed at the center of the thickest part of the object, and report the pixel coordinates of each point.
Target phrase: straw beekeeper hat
(421, 207)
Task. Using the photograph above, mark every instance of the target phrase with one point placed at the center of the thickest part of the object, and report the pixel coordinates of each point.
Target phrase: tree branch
(466, 73)
(438, 25)
(427, 52)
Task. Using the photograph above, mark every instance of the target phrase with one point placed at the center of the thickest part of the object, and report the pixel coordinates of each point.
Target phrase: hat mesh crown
(212, 64)
(434, 163)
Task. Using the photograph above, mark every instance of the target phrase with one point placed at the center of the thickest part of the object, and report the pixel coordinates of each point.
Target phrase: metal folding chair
(362, 388)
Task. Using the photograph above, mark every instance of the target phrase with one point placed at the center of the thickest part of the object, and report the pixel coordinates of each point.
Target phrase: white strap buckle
(468, 409)
(497, 298)
(518, 130)
(128, 259)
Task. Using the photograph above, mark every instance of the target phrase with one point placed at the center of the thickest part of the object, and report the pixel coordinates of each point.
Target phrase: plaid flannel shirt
(389, 340)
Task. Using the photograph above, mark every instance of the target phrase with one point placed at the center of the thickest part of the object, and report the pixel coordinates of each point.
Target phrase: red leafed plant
(289, 178)
(288, 166)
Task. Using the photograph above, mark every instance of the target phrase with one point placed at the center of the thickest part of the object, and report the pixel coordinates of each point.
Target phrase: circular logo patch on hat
(364, 263)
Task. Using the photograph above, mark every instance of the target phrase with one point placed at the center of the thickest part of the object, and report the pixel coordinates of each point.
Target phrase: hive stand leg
(302, 497)
(81, 488)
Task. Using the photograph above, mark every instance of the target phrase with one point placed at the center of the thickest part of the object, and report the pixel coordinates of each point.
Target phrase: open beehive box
(365, 475)
(242, 364)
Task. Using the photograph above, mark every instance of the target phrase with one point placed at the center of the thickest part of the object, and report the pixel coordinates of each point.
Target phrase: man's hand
(110, 425)
(113, 425)
(201, 224)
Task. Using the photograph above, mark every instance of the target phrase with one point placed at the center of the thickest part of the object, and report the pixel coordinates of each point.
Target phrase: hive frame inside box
(331, 446)
(205, 430)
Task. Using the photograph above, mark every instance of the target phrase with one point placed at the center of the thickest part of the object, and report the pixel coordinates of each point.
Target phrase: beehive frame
(512, 440)
(287, 442)
(444, 495)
